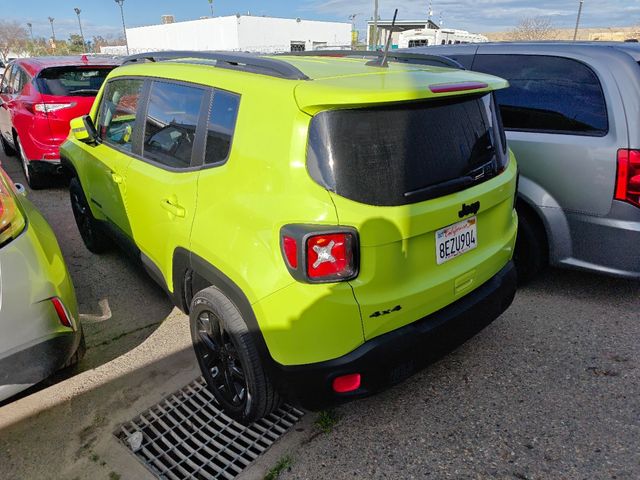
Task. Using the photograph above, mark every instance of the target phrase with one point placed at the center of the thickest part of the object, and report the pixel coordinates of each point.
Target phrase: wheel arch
(192, 273)
(550, 218)
(68, 167)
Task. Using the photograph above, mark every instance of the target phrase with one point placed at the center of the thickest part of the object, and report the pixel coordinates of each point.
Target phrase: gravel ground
(548, 391)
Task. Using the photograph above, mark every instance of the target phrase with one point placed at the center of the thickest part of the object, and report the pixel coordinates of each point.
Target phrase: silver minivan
(572, 115)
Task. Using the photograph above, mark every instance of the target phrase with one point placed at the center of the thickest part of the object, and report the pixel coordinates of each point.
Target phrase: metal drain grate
(186, 436)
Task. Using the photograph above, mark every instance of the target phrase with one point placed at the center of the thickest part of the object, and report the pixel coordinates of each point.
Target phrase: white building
(428, 36)
(240, 33)
(413, 33)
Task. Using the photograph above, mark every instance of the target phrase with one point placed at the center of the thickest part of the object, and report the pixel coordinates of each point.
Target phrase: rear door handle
(172, 207)
(116, 178)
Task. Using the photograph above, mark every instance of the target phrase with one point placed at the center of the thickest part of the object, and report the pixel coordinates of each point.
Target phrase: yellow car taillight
(11, 218)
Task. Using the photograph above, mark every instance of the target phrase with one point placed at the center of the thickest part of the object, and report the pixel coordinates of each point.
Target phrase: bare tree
(533, 28)
(13, 38)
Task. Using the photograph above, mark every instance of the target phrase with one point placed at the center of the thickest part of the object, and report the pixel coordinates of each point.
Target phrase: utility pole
(84, 44)
(211, 6)
(354, 33)
(575, 32)
(53, 34)
(124, 29)
(30, 25)
(375, 24)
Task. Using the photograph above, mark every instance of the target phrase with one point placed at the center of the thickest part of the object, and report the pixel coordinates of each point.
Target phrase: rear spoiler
(398, 57)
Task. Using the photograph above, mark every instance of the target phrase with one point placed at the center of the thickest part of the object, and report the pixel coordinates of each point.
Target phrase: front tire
(229, 358)
(92, 235)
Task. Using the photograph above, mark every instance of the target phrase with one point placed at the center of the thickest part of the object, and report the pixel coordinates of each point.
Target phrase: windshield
(72, 81)
(406, 153)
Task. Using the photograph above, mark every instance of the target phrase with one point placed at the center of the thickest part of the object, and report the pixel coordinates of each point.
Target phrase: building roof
(407, 23)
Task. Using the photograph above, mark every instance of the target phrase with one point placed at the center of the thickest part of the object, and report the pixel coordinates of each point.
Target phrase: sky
(102, 17)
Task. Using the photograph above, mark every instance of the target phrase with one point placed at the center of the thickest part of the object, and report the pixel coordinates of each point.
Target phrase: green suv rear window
(406, 153)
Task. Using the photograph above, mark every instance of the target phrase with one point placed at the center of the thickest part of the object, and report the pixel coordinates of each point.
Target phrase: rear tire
(92, 234)
(8, 150)
(531, 253)
(229, 359)
(35, 180)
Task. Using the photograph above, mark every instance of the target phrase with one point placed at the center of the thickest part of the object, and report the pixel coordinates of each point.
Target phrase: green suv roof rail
(400, 57)
(230, 60)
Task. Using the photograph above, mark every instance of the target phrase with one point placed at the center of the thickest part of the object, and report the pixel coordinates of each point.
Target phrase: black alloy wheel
(93, 237)
(221, 363)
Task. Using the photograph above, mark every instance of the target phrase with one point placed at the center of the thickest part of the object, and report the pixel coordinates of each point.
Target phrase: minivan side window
(117, 117)
(170, 125)
(548, 94)
(221, 126)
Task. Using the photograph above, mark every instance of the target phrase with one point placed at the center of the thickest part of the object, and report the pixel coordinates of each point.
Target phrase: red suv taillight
(44, 108)
(628, 177)
(320, 254)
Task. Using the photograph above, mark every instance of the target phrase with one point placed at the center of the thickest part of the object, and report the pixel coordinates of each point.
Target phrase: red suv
(38, 98)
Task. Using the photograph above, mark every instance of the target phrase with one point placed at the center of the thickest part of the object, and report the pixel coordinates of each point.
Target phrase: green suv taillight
(320, 254)
(11, 219)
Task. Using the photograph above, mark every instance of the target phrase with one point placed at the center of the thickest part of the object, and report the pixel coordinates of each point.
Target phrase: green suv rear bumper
(394, 356)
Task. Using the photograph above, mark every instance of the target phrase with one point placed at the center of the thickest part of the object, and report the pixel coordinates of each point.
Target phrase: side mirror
(82, 129)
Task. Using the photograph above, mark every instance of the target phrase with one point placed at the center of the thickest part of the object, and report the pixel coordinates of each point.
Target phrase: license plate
(456, 239)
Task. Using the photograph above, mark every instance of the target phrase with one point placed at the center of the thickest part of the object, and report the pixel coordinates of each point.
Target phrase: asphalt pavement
(550, 390)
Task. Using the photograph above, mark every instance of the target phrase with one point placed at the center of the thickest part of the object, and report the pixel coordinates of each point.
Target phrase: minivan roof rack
(400, 57)
(246, 62)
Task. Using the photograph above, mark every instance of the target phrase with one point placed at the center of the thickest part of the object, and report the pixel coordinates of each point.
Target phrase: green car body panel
(233, 213)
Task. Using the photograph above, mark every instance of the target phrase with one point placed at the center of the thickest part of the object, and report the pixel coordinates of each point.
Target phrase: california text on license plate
(456, 239)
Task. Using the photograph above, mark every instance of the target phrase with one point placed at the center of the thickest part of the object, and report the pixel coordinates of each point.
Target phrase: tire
(78, 354)
(34, 179)
(531, 253)
(229, 358)
(94, 238)
(8, 150)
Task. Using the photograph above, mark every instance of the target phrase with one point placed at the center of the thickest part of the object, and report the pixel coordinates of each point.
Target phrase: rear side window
(117, 119)
(5, 80)
(406, 153)
(17, 80)
(170, 125)
(548, 94)
(221, 126)
(72, 81)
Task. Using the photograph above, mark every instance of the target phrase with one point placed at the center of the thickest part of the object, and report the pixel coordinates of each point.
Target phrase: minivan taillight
(11, 219)
(320, 254)
(628, 177)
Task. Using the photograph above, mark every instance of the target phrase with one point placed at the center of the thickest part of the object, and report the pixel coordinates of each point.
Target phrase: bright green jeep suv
(329, 225)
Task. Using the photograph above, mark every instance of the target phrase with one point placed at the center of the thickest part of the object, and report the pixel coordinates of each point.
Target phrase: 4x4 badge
(469, 209)
(397, 308)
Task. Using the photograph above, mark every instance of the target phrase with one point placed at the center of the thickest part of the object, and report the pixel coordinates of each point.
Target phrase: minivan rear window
(72, 81)
(406, 153)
